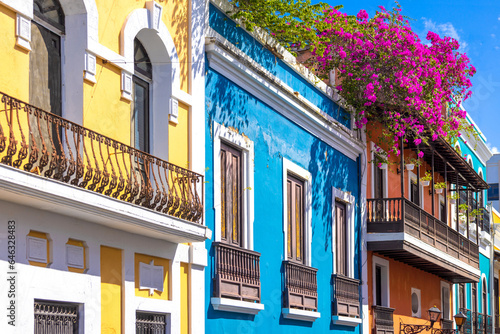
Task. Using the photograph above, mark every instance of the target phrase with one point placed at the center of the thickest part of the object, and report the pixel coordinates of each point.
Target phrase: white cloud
(492, 148)
(493, 35)
(444, 29)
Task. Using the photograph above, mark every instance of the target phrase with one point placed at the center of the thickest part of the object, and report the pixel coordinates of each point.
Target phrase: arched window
(47, 27)
(143, 76)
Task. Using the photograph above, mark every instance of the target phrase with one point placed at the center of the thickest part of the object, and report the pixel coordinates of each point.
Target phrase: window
(231, 208)
(416, 195)
(51, 317)
(484, 306)
(442, 209)
(461, 296)
(341, 238)
(416, 303)
(150, 323)
(493, 192)
(295, 214)
(381, 291)
(140, 107)
(445, 301)
(379, 183)
(474, 298)
(233, 187)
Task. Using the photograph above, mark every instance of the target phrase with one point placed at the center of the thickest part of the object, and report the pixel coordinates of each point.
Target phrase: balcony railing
(484, 220)
(497, 324)
(50, 146)
(477, 323)
(237, 273)
(400, 215)
(346, 296)
(383, 318)
(301, 289)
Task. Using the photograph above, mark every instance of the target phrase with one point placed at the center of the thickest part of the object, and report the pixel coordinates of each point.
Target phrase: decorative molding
(349, 200)
(23, 32)
(236, 306)
(126, 86)
(296, 314)
(75, 256)
(155, 11)
(276, 94)
(36, 249)
(150, 277)
(90, 67)
(173, 114)
(50, 195)
(346, 321)
(221, 133)
(305, 175)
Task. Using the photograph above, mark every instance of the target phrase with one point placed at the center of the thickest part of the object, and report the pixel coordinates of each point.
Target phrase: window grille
(150, 323)
(55, 318)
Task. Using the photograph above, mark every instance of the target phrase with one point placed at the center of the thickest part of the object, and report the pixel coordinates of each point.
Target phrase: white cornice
(31, 190)
(275, 93)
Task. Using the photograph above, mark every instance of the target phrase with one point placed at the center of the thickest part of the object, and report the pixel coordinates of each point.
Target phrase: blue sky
(476, 25)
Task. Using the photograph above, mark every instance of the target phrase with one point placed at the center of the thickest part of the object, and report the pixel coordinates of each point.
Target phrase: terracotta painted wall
(402, 278)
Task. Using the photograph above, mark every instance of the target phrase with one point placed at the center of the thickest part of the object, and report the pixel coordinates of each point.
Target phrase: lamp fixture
(434, 314)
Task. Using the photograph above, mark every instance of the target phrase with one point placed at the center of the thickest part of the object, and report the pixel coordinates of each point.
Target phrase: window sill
(295, 314)
(345, 321)
(236, 306)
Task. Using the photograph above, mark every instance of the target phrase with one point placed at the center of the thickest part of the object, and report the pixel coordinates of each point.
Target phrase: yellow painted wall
(111, 290)
(79, 244)
(158, 261)
(175, 17)
(178, 139)
(14, 66)
(185, 295)
(104, 110)
(45, 236)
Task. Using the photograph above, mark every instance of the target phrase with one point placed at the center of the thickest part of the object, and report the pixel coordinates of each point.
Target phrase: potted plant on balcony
(411, 163)
(453, 197)
(426, 179)
(462, 208)
(439, 187)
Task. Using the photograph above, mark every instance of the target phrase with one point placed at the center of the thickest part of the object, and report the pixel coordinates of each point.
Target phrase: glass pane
(223, 171)
(142, 64)
(140, 117)
(236, 199)
(298, 220)
(289, 210)
(49, 10)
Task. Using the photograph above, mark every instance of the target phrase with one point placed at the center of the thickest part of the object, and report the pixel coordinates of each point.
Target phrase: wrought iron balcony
(346, 296)
(301, 288)
(396, 215)
(237, 273)
(50, 146)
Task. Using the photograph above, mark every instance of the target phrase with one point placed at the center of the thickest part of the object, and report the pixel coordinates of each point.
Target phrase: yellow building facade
(102, 164)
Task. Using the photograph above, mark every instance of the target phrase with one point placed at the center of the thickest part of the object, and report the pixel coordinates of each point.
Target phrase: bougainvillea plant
(386, 73)
(389, 75)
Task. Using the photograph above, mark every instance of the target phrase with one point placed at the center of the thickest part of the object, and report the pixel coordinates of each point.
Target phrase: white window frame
(385, 187)
(447, 286)
(413, 176)
(223, 134)
(386, 295)
(349, 200)
(418, 292)
(291, 168)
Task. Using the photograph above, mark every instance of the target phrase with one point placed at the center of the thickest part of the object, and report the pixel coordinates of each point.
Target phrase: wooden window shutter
(231, 195)
(341, 238)
(295, 211)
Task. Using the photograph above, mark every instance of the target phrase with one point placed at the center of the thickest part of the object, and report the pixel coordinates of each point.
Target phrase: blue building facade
(283, 193)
